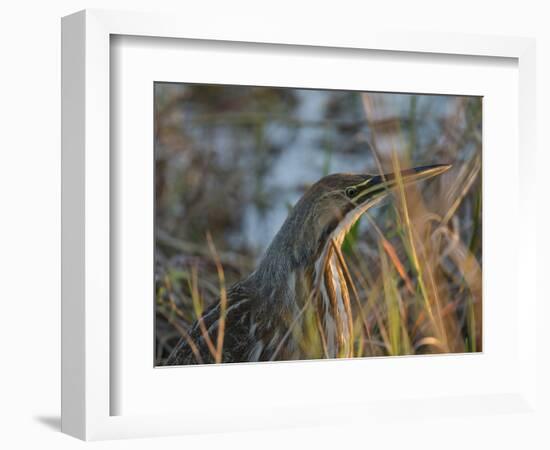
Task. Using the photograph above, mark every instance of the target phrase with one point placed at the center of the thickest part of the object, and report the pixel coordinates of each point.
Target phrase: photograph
(305, 224)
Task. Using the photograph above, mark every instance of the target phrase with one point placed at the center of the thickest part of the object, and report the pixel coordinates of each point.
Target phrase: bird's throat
(331, 282)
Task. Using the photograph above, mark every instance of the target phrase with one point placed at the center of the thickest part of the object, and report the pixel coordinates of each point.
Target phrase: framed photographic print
(291, 215)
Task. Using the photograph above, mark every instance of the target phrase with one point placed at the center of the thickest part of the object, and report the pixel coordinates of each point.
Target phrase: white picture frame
(88, 357)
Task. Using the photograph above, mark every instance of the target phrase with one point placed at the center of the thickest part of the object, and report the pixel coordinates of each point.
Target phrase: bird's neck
(289, 260)
(300, 267)
(331, 284)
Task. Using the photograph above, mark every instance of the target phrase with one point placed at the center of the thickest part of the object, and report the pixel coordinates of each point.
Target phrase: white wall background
(30, 222)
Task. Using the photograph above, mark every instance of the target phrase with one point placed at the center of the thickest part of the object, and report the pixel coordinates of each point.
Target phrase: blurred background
(232, 160)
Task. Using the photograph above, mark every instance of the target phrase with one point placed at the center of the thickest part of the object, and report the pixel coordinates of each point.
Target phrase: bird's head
(324, 213)
(334, 203)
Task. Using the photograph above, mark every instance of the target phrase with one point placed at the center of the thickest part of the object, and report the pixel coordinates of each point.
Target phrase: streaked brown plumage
(302, 264)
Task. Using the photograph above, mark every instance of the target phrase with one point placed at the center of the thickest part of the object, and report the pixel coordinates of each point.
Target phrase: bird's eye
(350, 192)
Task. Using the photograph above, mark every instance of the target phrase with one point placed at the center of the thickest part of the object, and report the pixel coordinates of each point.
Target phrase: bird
(257, 317)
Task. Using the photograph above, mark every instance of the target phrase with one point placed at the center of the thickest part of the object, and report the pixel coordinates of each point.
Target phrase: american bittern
(302, 265)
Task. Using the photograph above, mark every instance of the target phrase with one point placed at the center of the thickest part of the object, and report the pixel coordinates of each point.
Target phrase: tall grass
(417, 291)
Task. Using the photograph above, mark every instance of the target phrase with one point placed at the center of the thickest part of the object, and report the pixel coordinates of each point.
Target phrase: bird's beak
(414, 175)
(382, 183)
